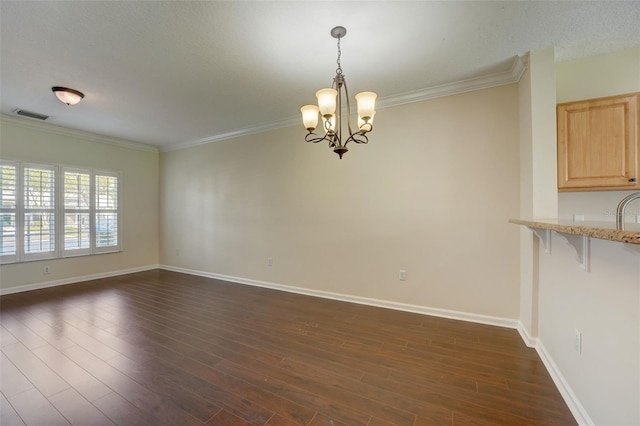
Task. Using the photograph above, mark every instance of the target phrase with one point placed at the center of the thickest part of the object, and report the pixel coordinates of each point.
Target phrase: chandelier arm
(310, 138)
(357, 137)
(330, 136)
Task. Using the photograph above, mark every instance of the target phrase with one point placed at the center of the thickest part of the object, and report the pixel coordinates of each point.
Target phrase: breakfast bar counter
(630, 234)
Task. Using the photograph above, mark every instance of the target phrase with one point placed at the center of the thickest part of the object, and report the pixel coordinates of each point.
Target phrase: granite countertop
(601, 230)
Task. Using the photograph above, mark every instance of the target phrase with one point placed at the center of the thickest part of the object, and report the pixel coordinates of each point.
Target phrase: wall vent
(30, 114)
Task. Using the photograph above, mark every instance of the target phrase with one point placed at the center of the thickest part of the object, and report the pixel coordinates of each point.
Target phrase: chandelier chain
(339, 69)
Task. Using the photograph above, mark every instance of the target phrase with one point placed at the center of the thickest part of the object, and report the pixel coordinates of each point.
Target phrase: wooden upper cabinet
(598, 144)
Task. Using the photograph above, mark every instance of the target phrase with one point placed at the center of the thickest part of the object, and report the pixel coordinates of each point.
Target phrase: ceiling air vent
(31, 114)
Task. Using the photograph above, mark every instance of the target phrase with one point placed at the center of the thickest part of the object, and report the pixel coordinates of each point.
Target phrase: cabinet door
(598, 144)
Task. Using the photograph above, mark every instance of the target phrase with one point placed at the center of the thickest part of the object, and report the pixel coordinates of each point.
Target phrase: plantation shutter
(8, 212)
(107, 226)
(39, 214)
(77, 212)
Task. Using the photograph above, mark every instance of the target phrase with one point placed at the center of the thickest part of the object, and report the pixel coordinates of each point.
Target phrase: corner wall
(538, 171)
(22, 141)
(430, 194)
(602, 384)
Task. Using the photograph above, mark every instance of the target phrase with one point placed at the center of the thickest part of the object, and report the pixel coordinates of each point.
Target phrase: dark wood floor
(160, 347)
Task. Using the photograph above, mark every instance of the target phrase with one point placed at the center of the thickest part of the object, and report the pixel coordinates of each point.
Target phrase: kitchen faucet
(622, 207)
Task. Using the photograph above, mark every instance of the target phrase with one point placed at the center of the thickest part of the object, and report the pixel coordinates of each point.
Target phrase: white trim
(72, 280)
(64, 131)
(443, 313)
(570, 398)
(519, 66)
(264, 127)
(510, 76)
(527, 338)
(513, 75)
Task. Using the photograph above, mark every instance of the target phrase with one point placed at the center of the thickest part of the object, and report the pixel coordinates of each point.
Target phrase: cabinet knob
(632, 180)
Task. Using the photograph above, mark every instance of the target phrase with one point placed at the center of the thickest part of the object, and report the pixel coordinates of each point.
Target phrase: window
(49, 211)
(8, 190)
(77, 212)
(39, 214)
(106, 200)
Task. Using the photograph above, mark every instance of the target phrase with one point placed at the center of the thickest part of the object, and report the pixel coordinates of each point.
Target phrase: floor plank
(12, 381)
(35, 409)
(8, 416)
(77, 410)
(36, 371)
(90, 387)
(160, 347)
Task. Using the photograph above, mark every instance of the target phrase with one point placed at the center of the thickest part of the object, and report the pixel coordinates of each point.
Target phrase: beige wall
(431, 194)
(140, 201)
(599, 76)
(543, 130)
(528, 250)
(603, 304)
(538, 189)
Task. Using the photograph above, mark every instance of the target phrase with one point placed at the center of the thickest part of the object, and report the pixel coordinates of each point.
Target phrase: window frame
(24, 210)
(66, 252)
(117, 210)
(12, 258)
(59, 211)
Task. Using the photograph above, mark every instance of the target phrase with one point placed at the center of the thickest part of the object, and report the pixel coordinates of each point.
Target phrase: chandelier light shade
(67, 96)
(330, 109)
(310, 117)
(327, 101)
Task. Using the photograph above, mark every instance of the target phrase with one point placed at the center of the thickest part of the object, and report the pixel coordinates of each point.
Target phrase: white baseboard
(528, 340)
(444, 313)
(578, 411)
(570, 398)
(72, 280)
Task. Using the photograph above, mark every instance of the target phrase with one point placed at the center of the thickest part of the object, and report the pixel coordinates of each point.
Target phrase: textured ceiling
(172, 74)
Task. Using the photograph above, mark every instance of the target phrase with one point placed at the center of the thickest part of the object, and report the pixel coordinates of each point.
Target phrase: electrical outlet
(403, 275)
(577, 341)
(269, 261)
(177, 252)
(578, 218)
(45, 270)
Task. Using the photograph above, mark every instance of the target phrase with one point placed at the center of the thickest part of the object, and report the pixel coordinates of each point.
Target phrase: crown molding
(234, 134)
(519, 66)
(510, 76)
(64, 131)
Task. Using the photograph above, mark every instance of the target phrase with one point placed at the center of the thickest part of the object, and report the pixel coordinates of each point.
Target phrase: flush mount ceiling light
(67, 96)
(330, 100)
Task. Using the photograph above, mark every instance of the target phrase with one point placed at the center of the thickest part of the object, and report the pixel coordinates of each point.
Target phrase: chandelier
(330, 109)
